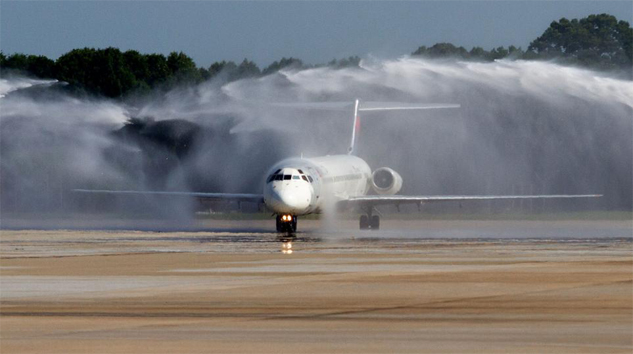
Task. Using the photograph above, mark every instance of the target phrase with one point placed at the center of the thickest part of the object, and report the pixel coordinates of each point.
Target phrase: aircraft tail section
(355, 128)
(372, 106)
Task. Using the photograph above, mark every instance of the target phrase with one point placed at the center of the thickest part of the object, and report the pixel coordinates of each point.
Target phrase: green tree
(246, 69)
(442, 50)
(113, 77)
(625, 37)
(498, 53)
(515, 52)
(353, 61)
(137, 64)
(158, 69)
(204, 74)
(478, 53)
(421, 51)
(281, 64)
(17, 61)
(103, 71)
(31, 65)
(227, 68)
(41, 66)
(74, 67)
(597, 41)
(182, 68)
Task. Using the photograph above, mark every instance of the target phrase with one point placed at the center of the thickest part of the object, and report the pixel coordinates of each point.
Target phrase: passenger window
(295, 177)
(279, 177)
(304, 178)
(310, 178)
(287, 177)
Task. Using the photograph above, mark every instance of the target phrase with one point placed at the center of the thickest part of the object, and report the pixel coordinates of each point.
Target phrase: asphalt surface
(230, 286)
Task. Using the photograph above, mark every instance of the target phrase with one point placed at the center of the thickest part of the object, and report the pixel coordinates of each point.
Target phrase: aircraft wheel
(286, 226)
(293, 224)
(281, 227)
(375, 222)
(364, 222)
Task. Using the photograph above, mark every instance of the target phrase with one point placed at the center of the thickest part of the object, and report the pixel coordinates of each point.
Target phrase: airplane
(301, 186)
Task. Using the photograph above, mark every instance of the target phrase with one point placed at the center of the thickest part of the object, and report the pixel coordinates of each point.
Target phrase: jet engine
(386, 181)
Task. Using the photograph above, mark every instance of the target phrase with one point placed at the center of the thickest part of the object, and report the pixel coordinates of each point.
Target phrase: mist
(523, 128)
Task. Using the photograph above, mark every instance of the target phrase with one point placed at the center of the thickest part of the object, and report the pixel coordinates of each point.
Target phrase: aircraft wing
(364, 106)
(374, 200)
(238, 197)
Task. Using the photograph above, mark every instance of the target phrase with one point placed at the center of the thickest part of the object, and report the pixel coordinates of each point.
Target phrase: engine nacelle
(386, 181)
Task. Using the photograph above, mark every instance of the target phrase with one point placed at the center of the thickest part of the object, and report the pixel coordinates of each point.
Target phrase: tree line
(113, 73)
(597, 41)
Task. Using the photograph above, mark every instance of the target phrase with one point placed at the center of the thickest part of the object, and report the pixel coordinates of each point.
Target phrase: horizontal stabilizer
(364, 106)
(324, 106)
(397, 106)
(413, 199)
(238, 197)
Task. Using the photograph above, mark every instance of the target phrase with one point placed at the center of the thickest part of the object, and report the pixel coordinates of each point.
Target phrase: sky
(265, 31)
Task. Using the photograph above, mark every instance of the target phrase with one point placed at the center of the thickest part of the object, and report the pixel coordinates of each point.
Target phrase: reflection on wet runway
(286, 247)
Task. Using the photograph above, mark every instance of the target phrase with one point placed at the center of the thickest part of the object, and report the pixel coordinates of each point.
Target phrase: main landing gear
(369, 221)
(286, 223)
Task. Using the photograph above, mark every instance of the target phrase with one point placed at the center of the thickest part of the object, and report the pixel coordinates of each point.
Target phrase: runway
(218, 290)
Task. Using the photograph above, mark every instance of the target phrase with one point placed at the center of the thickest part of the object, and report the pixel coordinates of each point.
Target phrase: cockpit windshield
(281, 177)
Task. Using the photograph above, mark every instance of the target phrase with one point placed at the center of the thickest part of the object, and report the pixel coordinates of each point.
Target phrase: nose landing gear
(369, 221)
(286, 223)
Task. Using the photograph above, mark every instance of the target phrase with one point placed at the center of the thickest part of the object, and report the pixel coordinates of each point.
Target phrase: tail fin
(369, 106)
(355, 128)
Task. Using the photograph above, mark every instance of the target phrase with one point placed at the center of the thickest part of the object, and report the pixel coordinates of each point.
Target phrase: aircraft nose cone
(290, 200)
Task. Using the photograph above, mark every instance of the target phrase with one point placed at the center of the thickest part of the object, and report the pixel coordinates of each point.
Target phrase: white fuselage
(301, 186)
